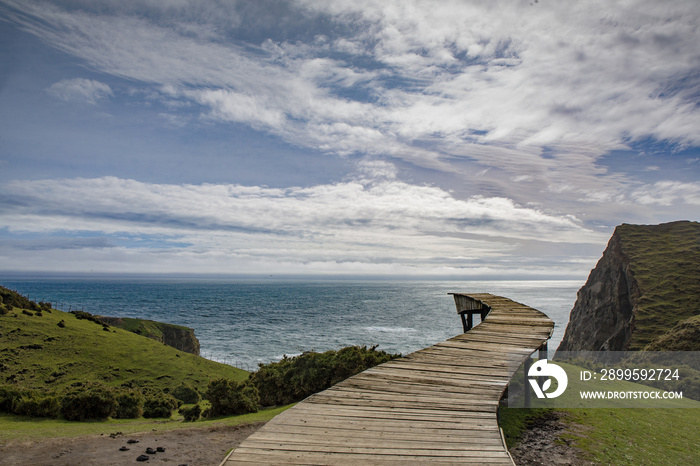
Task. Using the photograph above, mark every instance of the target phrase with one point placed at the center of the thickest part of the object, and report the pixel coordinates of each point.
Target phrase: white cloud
(80, 90)
(364, 224)
(667, 193)
(495, 83)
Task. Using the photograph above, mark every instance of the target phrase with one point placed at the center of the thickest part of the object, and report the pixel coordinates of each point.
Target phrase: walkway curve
(438, 404)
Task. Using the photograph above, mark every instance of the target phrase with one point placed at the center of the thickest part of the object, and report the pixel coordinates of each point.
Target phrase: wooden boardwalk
(438, 404)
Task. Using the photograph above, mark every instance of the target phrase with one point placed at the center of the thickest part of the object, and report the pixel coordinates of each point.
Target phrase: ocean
(247, 322)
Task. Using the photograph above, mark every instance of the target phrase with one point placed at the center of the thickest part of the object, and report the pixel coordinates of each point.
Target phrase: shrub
(8, 396)
(159, 404)
(86, 316)
(130, 404)
(230, 397)
(192, 413)
(187, 394)
(92, 401)
(293, 379)
(36, 406)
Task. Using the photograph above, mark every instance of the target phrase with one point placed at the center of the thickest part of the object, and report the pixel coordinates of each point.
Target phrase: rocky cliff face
(177, 336)
(643, 294)
(603, 317)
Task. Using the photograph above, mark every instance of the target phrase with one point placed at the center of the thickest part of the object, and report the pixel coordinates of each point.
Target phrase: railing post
(526, 384)
(543, 351)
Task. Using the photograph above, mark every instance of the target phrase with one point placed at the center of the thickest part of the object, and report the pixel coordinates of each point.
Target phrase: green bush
(159, 404)
(187, 394)
(36, 406)
(229, 397)
(82, 315)
(293, 379)
(92, 401)
(8, 396)
(130, 404)
(27, 402)
(192, 413)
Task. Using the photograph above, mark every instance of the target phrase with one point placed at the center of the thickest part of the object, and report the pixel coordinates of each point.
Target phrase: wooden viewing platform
(438, 404)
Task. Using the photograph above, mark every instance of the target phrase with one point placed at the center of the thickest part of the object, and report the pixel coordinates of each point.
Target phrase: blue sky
(461, 139)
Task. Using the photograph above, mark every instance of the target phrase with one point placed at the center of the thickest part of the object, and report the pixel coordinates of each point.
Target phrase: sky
(395, 138)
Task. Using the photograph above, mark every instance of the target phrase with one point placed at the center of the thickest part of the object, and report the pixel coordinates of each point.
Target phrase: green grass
(27, 428)
(514, 422)
(142, 327)
(620, 436)
(664, 260)
(35, 352)
(637, 436)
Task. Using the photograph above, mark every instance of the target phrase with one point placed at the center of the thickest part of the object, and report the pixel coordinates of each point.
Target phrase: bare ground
(199, 446)
(543, 443)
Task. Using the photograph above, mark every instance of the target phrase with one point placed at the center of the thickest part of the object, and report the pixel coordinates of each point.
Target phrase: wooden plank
(400, 386)
(397, 425)
(393, 413)
(253, 442)
(323, 432)
(455, 399)
(273, 457)
(373, 445)
(487, 406)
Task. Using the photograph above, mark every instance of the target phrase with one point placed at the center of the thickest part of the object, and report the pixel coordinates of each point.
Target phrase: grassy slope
(638, 436)
(665, 261)
(143, 327)
(35, 352)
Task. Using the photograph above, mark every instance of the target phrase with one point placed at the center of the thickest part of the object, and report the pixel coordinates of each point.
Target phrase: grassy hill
(665, 262)
(47, 348)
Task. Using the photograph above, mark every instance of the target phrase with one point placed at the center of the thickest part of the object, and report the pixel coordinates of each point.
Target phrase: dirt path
(193, 447)
(542, 444)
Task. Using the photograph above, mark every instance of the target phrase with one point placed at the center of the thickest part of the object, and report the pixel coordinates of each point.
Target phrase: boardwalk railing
(439, 404)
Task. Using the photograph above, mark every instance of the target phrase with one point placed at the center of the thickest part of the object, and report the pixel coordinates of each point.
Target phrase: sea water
(248, 322)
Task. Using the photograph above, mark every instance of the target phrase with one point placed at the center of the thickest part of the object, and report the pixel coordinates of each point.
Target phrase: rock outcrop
(177, 336)
(602, 318)
(646, 285)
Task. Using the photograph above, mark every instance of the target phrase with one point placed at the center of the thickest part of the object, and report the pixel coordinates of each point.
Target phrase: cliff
(642, 294)
(177, 336)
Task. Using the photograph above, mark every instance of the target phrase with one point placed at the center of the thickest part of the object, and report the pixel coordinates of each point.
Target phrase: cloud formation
(496, 83)
(80, 90)
(369, 221)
